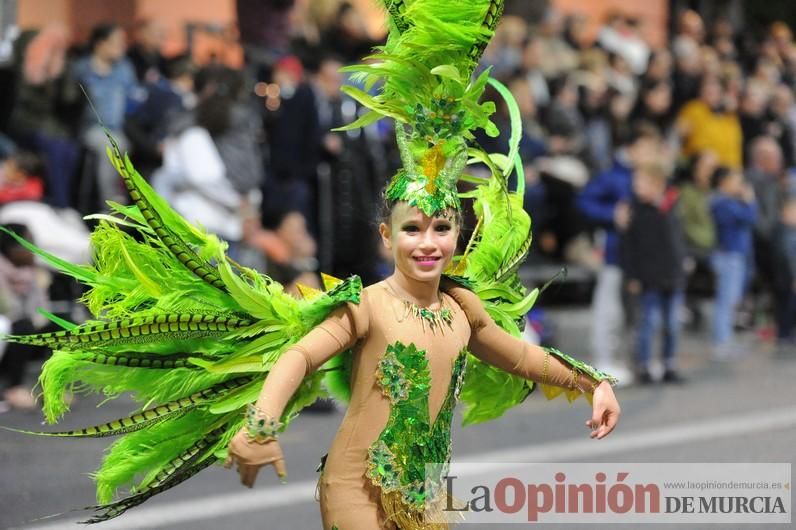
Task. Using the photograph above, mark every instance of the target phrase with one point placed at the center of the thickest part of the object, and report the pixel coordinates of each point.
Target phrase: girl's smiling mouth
(426, 260)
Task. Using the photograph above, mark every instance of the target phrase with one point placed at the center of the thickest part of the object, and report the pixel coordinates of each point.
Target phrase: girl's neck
(422, 294)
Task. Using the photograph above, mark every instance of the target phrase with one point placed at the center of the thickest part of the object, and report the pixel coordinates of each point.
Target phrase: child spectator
(22, 292)
(20, 178)
(605, 202)
(653, 252)
(785, 256)
(699, 229)
(734, 211)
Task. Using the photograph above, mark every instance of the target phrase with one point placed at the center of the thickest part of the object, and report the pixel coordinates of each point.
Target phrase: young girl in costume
(409, 335)
(192, 334)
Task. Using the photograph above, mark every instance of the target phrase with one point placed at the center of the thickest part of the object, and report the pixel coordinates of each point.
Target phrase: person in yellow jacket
(711, 123)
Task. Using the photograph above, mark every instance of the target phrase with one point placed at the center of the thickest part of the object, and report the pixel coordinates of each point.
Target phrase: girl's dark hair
(100, 33)
(387, 205)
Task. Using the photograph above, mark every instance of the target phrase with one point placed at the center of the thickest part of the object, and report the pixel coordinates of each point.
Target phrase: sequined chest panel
(397, 459)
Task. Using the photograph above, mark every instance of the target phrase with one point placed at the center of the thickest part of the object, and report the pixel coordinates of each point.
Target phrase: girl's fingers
(279, 467)
(248, 474)
(597, 417)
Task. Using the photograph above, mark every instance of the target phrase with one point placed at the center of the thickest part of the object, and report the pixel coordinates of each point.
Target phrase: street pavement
(738, 411)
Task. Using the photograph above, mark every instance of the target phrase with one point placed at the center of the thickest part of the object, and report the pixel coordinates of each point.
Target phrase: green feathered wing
(182, 327)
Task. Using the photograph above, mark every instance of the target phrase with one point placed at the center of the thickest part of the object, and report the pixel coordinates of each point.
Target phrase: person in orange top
(711, 123)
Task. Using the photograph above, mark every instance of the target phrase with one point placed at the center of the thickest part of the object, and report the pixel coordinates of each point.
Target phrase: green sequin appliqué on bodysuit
(397, 459)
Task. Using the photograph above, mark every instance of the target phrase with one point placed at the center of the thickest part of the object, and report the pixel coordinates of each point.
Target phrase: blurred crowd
(665, 171)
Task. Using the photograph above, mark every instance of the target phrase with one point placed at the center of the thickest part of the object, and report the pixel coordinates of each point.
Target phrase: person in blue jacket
(605, 202)
(735, 211)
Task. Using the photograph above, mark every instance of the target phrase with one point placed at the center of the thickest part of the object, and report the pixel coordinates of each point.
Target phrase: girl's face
(422, 246)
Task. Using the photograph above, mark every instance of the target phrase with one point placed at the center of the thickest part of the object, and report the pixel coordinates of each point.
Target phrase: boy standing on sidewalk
(735, 211)
(653, 254)
(605, 201)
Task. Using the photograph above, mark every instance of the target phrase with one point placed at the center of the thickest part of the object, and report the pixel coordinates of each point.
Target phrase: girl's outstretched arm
(493, 345)
(255, 444)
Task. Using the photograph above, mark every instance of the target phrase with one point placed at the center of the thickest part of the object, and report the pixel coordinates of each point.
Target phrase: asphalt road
(741, 411)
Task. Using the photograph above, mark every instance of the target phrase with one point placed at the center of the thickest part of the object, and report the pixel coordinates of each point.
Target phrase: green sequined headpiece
(425, 70)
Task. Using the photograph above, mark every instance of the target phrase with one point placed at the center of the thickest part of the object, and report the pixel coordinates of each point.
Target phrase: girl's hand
(605, 411)
(251, 456)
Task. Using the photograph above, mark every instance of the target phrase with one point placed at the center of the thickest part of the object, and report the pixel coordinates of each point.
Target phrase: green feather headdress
(425, 70)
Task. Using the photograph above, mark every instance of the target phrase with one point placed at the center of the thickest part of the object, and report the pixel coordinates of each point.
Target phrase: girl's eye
(410, 228)
(443, 228)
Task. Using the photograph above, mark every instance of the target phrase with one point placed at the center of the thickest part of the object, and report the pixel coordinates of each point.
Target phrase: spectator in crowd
(695, 195)
(21, 178)
(348, 36)
(654, 105)
(710, 122)
(594, 107)
(193, 177)
(699, 228)
(734, 211)
(557, 58)
(620, 108)
(264, 27)
(605, 202)
(687, 72)
(563, 120)
(45, 93)
(620, 36)
(305, 31)
(294, 138)
(752, 115)
(660, 66)
(771, 185)
(145, 53)
(653, 255)
(23, 290)
(620, 77)
(785, 260)
(505, 55)
(167, 102)
(240, 142)
(577, 34)
(782, 122)
(767, 175)
(110, 80)
(347, 165)
(725, 46)
(532, 142)
(531, 57)
(690, 28)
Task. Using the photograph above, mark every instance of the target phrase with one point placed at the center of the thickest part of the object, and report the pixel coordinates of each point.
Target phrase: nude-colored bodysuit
(349, 498)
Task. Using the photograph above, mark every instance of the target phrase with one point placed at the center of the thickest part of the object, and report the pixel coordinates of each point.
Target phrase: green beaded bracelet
(260, 427)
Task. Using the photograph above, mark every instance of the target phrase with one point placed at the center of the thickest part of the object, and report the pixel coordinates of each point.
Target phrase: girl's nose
(427, 241)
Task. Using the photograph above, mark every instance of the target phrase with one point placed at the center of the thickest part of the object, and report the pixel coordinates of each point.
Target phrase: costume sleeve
(546, 366)
(341, 329)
